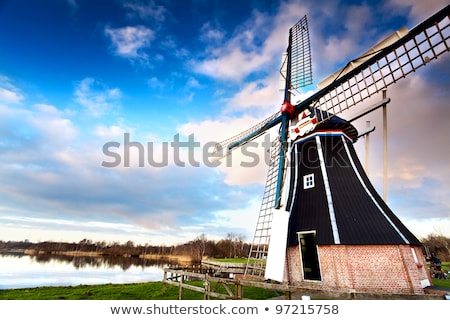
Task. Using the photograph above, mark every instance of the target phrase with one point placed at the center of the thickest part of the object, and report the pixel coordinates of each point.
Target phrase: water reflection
(102, 261)
(24, 271)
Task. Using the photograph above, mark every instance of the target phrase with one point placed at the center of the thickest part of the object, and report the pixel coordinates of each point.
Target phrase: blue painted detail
(283, 137)
(252, 135)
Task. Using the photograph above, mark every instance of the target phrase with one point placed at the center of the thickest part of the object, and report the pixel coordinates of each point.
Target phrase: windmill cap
(335, 123)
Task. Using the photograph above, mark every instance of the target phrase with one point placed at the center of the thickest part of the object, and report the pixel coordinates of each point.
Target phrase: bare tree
(438, 245)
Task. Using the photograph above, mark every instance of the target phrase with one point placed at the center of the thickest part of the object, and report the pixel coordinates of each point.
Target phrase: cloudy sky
(80, 78)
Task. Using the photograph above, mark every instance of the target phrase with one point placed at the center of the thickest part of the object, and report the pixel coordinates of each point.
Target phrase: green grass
(134, 291)
(142, 291)
(137, 291)
(151, 290)
(232, 260)
(441, 282)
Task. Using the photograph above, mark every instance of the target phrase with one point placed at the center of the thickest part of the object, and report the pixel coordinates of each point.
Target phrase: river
(24, 271)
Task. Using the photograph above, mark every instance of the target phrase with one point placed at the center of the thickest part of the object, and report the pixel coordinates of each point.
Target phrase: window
(308, 181)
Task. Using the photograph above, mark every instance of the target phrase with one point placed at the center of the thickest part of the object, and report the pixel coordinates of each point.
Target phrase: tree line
(233, 246)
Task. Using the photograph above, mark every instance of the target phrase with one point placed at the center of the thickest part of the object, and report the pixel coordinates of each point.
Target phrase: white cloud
(244, 217)
(110, 132)
(8, 92)
(237, 57)
(53, 124)
(154, 82)
(255, 46)
(288, 14)
(257, 97)
(192, 83)
(209, 34)
(240, 168)
(41, 128)
(130, 42)
(10, 96)
(225, 66)
(97, 97)
(146, 11)
(419, 9)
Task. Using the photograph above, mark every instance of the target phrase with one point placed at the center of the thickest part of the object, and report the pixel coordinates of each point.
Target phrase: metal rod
(374, 107)
(384, 149)
(367, 148)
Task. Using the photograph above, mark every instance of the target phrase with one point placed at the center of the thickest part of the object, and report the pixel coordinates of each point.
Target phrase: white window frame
(308, 181)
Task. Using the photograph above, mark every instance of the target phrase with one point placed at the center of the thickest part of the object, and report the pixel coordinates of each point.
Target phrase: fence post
(164, 282)
(238, 290)
(207, 286)
(180, 288)
(288, 294)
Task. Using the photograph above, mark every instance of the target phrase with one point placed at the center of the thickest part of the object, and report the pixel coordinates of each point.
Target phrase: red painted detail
(286, 107)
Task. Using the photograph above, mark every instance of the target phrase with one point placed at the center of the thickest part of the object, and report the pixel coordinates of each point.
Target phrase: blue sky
(76, 75)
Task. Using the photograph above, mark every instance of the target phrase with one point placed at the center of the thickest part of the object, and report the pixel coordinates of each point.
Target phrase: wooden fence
(234, 288)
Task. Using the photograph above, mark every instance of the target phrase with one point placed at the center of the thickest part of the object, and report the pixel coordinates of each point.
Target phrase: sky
(108, 110)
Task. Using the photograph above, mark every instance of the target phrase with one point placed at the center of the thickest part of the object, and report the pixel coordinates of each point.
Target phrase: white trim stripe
(370, 194)
(334, 226)
(294, 192)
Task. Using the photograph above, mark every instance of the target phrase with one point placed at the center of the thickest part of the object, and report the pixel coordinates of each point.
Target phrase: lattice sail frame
(301, 65)
(384, 68)
(224, 148)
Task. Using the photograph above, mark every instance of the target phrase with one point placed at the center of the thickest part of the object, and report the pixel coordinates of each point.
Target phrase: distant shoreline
(182, 259)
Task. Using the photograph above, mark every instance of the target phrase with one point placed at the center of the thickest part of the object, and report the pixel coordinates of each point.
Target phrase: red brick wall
(363, 268)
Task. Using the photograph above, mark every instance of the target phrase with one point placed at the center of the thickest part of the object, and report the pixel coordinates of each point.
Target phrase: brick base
(363, 268)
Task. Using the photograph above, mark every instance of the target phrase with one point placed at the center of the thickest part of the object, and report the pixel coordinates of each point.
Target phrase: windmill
(320, 213)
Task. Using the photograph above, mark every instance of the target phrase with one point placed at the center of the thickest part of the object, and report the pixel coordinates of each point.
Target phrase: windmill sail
(368, 54)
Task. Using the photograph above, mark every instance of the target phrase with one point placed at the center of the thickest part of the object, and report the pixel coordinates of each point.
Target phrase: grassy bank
(141, 291)
(136, 291)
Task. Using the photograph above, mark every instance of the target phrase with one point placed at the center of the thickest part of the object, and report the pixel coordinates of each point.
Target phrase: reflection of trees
(80, 262)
